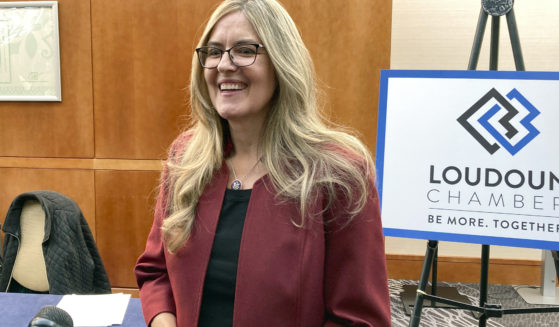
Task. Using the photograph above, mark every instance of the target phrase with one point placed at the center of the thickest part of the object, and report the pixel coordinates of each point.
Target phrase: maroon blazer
(286, 276)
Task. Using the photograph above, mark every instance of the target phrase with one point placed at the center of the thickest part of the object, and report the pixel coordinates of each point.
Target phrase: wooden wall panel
(76, 184)
(467, 269)
(59, 129)
(141, 72)
(350, 43)
(125, 202)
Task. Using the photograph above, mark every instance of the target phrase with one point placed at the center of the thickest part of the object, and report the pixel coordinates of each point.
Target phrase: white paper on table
(95, 310)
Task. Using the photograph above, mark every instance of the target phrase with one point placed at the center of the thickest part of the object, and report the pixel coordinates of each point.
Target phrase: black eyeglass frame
(257, 45)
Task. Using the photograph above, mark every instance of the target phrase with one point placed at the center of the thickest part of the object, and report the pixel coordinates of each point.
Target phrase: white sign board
(470, 156)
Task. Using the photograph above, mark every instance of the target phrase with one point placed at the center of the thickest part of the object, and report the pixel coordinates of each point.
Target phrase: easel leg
(478, 40)
(434, 274)
(515, 41)
(483, 283)
(494, 46)
(493, 65)
(429, 254)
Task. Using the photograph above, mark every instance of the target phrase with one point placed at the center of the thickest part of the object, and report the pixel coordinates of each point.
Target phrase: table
(18, 309)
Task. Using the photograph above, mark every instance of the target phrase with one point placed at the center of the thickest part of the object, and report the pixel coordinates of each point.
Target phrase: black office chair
(57, 253)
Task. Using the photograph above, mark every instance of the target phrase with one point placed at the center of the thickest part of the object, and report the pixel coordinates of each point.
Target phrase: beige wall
(435, 34)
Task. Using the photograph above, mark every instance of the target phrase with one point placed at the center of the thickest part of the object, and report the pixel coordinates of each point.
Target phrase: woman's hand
(164, 319)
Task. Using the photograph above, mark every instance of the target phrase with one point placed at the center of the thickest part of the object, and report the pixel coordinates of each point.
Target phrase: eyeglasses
(241, 55)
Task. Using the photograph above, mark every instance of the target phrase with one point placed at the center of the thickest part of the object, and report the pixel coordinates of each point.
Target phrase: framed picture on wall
(29, 51)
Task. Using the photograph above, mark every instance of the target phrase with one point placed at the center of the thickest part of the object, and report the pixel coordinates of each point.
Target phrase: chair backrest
(47, 231)
(29, 267)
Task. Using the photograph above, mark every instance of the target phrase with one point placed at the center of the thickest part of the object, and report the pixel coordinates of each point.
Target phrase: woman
(265, 217)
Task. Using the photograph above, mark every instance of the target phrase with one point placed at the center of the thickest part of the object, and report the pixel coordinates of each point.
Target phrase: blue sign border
(385, 76)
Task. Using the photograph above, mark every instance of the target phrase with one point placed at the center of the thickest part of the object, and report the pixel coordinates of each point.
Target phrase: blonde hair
(301, 154)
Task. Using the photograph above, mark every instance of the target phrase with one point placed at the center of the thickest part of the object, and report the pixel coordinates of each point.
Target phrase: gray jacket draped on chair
(72, 260)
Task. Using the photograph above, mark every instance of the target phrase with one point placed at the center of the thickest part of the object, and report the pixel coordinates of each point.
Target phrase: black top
(218, 296)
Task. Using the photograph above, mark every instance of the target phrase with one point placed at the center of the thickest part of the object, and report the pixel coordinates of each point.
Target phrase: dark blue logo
(502, 130)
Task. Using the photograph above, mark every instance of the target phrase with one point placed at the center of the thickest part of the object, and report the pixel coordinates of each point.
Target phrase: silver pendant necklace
(237, 184)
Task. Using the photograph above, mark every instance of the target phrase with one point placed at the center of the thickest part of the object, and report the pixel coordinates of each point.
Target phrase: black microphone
(51, 316)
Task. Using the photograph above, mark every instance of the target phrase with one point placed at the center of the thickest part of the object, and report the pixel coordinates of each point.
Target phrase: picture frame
(29, 51)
